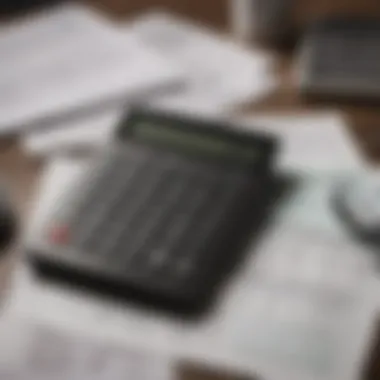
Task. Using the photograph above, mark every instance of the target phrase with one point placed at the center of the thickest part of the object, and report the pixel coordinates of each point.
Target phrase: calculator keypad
(155, 221)
(152, 215)
(339, 59)
(342, 58)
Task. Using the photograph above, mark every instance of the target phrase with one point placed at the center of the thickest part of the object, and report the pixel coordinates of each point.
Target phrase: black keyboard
(339, 57)
(158, 223)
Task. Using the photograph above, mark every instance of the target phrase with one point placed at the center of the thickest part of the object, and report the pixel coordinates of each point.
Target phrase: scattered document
(24, 42)
(91, 132)
(310, 141)
(304, 306)
(220, 73)
(65, 62)
(38, 351)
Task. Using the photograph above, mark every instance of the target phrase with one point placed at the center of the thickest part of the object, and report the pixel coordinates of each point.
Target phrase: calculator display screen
(186, 140)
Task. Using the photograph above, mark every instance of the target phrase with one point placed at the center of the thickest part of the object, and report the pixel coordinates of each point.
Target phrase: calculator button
(166, 244)
(193, 243)
(152, 214)
(133, 214)
(157, 257)
(59, 234)
(139, 231)
(94, 223)
(117, 171)
(185, 267)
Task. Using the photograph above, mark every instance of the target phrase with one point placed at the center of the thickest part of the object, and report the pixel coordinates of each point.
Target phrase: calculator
(339, 57)
(163, 215)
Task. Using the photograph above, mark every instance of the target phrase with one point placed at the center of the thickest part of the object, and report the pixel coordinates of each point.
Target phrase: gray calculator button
(162, 253)
(157, 257)
(90, 207)
(185, 215)
(191, 254)
(161, 200)
(94, 219)
(185, 267)
(127, 235)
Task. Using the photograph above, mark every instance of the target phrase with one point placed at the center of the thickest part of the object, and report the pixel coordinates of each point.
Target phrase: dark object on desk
(273, 22)
(162, 216)
(16, 7)
(8, 225)
(339, 58)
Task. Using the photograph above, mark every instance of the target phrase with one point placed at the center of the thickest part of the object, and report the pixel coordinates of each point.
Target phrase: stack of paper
(66, 62)
(92, 132)
(72, 61)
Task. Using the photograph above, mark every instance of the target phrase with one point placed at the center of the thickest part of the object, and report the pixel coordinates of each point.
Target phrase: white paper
(73, 63)
(310, 141)
(220, 73)
(39, 351)
(91, 132)
(298, 274)
(24, 42)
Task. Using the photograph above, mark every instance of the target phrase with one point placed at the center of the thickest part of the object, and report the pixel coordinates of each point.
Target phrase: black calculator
(162, 214)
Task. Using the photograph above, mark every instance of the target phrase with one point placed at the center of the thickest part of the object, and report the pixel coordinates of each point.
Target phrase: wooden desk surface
(21, 173)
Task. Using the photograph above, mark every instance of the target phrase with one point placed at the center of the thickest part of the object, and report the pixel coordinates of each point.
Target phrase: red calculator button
(59, 234)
